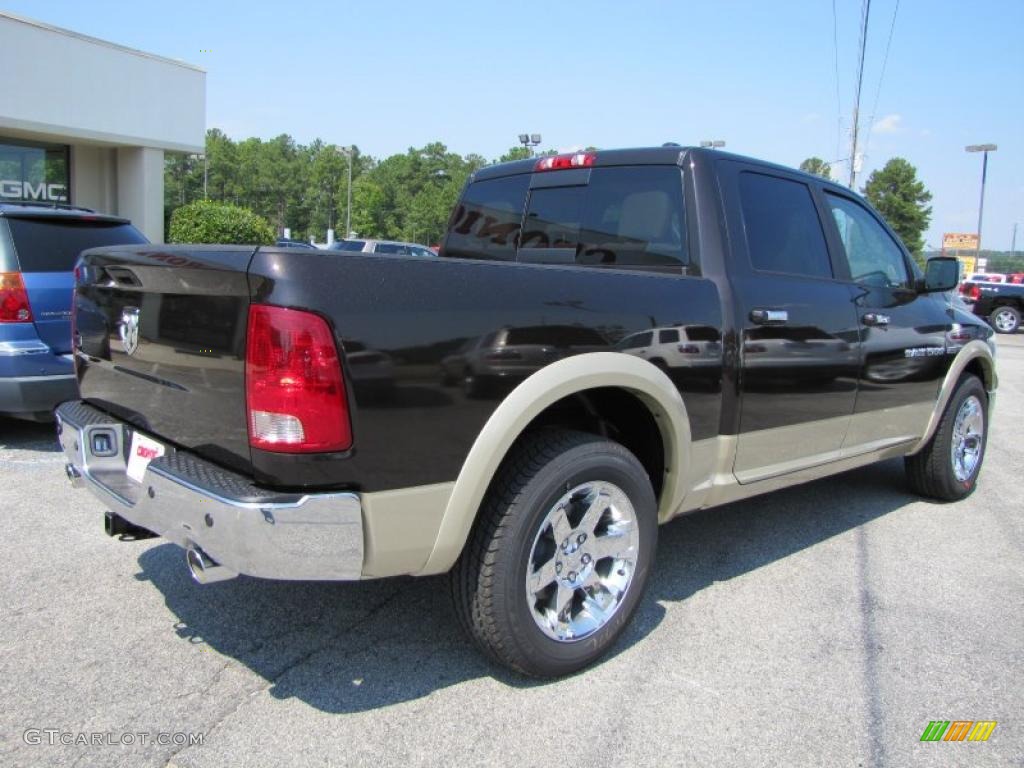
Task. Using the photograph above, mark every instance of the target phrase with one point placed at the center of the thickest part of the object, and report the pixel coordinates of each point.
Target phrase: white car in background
(385, 247)
(684, 346)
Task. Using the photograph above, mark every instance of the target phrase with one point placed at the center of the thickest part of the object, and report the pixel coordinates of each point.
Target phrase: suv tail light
(972, 292)
(689, 349)
(14, 306)
(562, 162)
(294, 388)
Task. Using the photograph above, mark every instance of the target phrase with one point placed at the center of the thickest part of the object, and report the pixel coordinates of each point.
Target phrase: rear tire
(559, 556)
(1005, 319)
(947, 467)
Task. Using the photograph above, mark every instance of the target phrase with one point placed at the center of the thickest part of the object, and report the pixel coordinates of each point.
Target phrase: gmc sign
(11, 189)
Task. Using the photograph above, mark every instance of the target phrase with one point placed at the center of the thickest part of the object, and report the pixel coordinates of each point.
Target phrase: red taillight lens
(14, 306)
(972, 292)
(689, 349)
(562, 162)
(294, 390)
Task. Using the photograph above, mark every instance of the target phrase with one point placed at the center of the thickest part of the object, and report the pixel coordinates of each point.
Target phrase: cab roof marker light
(564, 162)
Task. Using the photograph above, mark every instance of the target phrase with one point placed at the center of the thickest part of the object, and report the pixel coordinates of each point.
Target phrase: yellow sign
(968, 265)
(960, 241)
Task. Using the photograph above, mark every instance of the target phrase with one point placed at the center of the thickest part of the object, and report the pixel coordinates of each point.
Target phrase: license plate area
(141, 451)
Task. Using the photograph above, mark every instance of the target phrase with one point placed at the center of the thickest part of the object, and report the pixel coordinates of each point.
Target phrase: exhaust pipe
(204, 569)
(77, 481)
(125, 530)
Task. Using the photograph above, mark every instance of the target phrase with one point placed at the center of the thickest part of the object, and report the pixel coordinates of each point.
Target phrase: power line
(839, 100)
(860, 81)
(881, 77)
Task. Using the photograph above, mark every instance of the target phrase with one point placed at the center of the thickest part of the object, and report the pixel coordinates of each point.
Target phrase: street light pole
(984, 149)
(348, 205)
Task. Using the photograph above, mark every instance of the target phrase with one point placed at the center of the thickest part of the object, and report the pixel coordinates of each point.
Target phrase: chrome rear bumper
(198, 505)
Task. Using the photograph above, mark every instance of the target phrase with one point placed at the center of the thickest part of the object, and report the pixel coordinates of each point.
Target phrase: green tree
(903, 200)
(817, 166)
(515, 153)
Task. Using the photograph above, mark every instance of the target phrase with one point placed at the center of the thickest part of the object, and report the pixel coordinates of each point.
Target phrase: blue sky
(761, 75)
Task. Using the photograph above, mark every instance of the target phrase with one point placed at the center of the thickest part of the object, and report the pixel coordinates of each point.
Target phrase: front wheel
(558, 560)
(947, 467)
(1005, 319)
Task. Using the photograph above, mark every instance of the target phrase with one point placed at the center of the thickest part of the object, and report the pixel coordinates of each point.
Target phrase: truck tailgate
(160, 343)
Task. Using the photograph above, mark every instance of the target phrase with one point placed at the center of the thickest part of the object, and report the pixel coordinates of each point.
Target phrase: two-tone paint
(838, 393)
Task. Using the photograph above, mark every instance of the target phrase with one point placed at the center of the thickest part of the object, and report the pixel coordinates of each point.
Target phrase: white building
(87, 122)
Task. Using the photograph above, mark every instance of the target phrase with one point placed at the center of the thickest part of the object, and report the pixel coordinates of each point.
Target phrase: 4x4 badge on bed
(130, 329)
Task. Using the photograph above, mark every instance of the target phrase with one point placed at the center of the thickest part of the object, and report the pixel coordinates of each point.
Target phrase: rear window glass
(51, 245)
(348, 245)
(783, 229)
(630, 216)
(485, 223)
(390, 248)
(555, 336)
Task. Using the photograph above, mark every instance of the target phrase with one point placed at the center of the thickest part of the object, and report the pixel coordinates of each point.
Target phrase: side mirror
(941, 273)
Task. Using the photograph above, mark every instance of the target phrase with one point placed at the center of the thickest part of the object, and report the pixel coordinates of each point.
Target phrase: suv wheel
(947, 467)
(1005, 319)
(559, 558)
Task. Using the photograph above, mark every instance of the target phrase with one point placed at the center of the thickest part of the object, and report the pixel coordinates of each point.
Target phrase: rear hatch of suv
(161, 343)
(46, 245)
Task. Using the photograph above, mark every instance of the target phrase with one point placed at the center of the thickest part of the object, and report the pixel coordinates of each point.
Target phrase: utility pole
(1013, 241)
(856, 101)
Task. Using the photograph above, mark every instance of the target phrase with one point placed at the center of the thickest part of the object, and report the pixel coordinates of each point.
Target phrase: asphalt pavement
(823, 625)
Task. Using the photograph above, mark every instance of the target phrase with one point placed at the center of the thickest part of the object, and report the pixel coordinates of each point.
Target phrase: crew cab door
(797, 325)
(903, 333)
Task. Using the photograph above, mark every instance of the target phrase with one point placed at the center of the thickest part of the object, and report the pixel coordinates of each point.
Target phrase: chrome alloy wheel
(582, 561)
(968, 434)
(1004, 321)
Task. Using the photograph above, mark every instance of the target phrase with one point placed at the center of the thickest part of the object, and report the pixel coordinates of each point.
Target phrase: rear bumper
(196, 504)
(35, 394)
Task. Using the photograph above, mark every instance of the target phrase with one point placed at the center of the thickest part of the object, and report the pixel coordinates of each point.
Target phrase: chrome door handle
(769, 316)
(875, 318)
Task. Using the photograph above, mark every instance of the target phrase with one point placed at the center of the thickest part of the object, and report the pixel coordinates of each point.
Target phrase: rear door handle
(769, 316)
(876, 319)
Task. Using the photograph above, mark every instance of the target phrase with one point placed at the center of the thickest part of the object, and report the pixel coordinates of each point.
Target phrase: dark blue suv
(39, 245)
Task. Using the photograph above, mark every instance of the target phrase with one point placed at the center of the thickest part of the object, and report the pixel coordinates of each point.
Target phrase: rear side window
(669, 336)
(390, 248)
(783, 229)
(624, 217)
(485, 223)
(53, 245)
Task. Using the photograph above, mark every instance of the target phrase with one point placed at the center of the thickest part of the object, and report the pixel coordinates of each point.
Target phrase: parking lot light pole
(984, 149)
(348, 205)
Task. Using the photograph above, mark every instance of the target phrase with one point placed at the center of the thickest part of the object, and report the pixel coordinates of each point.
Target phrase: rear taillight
(689, 349)
(562, 162)
(972, 292)
(294, 388)
(14, 306)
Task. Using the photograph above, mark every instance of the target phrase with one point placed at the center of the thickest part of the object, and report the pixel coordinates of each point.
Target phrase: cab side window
(874, 257)
(783, 229)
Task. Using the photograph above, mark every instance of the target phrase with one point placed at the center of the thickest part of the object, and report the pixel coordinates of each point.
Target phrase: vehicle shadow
(17, 434)
(359, 646)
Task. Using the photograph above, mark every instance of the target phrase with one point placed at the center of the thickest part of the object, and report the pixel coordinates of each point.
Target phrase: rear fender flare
(527, 401)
